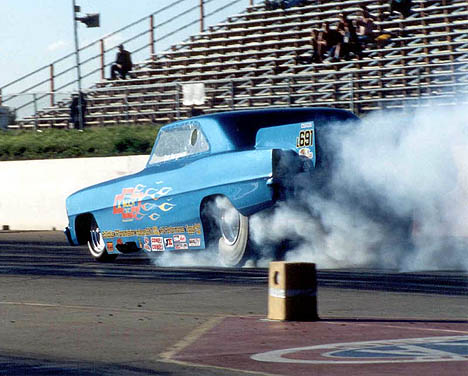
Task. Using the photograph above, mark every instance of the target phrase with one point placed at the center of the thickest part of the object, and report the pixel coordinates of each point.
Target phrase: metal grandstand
(256, 59)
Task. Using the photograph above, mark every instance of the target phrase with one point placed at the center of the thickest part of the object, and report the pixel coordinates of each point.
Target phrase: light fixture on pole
(90, 20)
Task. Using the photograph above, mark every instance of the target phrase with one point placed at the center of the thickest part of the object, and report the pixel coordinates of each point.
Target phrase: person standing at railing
(123, 63)
(75, 110)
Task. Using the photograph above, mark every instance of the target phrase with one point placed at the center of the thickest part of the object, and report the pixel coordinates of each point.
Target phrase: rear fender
(298, 138)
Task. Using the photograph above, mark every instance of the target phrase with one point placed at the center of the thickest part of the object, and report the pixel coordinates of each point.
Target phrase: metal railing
(142, 38)
(403, 88)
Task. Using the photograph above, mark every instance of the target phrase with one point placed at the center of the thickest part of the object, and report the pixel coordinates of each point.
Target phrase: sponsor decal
(181, 246)
(157, 244)
(407, 350)
(147, 244)
(168, 242)
(180, 238)
(306, 152)
(307, 125)
(194, 229)
(119, 241)
(195, 242)
(136, 203)
(110, 246)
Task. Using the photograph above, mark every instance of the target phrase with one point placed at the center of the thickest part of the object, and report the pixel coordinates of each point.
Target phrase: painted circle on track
(408, 350)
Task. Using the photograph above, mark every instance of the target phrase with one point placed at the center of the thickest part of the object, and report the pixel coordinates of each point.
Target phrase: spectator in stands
(330, 39)
(283, 4)
(349, 44)
(401, 6)
(365, 28)
(123, 63)
(75, 110)
(317, 51)
(272, 4)
(321, 45)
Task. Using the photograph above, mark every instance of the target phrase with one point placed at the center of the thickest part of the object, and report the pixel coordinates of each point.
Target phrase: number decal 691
(306, 138)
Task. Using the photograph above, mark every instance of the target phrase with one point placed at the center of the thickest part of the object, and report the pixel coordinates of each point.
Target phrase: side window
(179, 142)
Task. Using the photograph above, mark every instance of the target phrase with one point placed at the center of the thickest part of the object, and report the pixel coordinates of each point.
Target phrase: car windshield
(178, 142)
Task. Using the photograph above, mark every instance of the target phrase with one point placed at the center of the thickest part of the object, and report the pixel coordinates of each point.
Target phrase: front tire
(96, 244)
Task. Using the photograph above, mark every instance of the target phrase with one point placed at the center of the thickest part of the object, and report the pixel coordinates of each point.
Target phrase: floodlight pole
(78, 68)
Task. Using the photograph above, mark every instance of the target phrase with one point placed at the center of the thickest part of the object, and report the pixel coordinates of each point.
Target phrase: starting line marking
(408, 350)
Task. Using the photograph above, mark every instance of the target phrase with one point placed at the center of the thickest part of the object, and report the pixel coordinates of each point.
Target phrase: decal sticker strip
(194, 229)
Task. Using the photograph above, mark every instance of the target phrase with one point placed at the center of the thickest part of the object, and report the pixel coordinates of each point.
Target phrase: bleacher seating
(259, 58)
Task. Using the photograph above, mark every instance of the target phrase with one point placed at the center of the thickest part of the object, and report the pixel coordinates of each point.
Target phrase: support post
(177, 100)
(78, 69)
(419, 88)
(127, 108)
(52, 86)
(103, 62)
(152, 50)
(35, 111)
(202, 16)
(232, 95)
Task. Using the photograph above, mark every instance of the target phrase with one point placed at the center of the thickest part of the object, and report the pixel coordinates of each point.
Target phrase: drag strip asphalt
(48, 254)
(61, 313)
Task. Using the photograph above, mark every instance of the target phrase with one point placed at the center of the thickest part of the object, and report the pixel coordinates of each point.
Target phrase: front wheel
(96, 244)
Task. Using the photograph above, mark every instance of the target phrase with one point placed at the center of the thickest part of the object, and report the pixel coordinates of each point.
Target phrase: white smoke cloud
(393, 167)
(204, 257)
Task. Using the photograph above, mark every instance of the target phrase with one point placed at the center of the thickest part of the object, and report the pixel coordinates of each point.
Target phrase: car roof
(238, 129)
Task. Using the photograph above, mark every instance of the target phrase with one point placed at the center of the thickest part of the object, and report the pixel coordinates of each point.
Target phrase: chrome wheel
(96, 244)
(230, 225)
(234, 231)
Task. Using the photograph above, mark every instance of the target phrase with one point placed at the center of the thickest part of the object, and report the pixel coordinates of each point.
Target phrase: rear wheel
(96, 244)
(229, 231)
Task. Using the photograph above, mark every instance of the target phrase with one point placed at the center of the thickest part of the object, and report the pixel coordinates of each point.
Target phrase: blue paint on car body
(229, 154)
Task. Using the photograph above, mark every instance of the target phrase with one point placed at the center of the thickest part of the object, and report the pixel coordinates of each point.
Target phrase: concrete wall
(33, 193)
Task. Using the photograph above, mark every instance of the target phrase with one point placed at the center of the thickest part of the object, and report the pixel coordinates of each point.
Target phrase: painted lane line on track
(409, 350)
(192, 337)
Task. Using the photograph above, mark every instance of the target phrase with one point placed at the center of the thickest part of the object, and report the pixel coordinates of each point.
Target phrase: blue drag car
(204, 178)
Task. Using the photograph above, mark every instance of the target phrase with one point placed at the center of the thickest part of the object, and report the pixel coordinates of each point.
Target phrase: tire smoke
(396, 197)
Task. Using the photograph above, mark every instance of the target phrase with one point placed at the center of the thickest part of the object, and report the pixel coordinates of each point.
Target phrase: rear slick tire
(234, 229)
